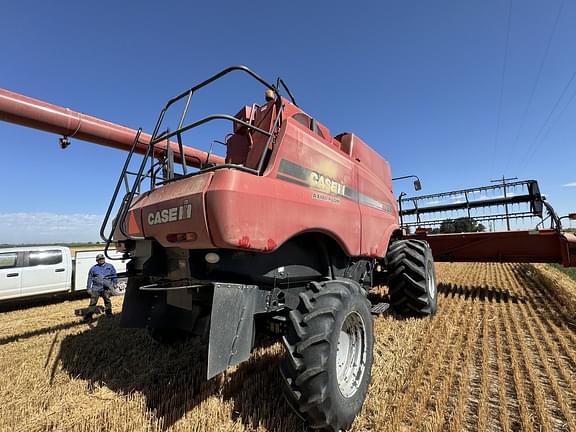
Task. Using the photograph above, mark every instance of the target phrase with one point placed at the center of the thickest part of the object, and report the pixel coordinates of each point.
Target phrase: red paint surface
(544, 246)
(186, 191)
(244, 242)
(271, 245)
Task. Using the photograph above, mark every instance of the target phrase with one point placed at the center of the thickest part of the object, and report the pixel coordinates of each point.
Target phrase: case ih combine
(286, 234)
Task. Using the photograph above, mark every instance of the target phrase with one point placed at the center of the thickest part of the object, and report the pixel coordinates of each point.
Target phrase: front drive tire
(412, 278)
(328, 363)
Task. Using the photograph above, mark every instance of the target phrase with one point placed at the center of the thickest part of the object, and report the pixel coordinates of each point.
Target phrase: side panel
(46, 271)
(177, 208)
(377, 204)
(10, 274)
(306, 188)
(545, 246)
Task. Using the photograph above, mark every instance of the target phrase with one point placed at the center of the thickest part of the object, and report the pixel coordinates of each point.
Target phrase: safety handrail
(157, 136)
(121, 179)
(167, 160)
(224, 72)
(167, 135)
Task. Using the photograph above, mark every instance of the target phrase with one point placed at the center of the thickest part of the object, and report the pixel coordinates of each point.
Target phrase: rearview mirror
(572, 216)
(418, 186)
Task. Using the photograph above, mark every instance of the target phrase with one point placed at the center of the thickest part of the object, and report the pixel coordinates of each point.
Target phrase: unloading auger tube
(26, 111)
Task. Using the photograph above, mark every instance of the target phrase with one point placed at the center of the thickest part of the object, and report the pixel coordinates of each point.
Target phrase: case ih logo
(302, 176)
(171, 214)
(326, 184)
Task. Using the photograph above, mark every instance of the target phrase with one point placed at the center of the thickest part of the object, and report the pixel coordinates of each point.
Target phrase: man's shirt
(101, 277)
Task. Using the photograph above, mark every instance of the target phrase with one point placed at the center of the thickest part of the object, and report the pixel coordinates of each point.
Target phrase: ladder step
(380, 308)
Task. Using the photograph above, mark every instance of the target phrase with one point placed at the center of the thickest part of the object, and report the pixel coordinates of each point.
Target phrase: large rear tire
(412, 278)
(328, 363)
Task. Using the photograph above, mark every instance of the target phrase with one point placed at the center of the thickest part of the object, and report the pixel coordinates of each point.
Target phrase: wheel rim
(431, 283)
(120, 288)
(351, 354)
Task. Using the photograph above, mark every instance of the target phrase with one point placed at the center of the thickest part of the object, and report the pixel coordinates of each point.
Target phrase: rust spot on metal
(244, 242)
(270, 245)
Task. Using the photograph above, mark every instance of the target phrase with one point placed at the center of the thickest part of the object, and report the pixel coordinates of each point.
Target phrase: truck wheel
(412, 279)
(120, 288)
(328, 361)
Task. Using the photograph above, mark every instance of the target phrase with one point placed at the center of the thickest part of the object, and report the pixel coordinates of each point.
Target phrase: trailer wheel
(412, 278)
(328, 361)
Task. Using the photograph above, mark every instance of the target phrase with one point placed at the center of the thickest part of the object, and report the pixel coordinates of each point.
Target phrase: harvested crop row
(499, 355)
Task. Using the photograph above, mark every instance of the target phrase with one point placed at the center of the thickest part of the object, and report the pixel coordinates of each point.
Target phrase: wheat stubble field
(499, 355)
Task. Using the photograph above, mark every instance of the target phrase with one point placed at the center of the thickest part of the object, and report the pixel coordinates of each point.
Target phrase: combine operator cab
(285, 234)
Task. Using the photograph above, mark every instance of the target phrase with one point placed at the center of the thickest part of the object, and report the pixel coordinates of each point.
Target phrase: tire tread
(408, 279)
(305, 368)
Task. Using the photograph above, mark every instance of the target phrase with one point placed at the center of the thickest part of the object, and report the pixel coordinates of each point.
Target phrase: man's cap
(99, 257)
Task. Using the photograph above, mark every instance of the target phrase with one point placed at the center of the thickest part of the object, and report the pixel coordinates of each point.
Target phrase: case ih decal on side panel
(326, 179)
(297, 174)
(300, 175)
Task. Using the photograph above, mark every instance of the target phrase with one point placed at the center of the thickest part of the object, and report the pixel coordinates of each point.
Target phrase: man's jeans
(94, 295)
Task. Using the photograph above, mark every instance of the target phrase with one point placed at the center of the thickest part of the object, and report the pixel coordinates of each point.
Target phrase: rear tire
(328, 363)
(412, 278)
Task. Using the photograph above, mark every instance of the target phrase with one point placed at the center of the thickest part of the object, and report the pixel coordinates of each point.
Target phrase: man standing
(101, 280)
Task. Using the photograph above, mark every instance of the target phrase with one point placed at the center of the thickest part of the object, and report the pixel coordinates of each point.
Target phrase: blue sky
(433, 86)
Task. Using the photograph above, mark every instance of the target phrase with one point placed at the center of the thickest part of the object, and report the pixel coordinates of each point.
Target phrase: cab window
(303, 119)
(8, 260)
(46, 257)
(308, 123)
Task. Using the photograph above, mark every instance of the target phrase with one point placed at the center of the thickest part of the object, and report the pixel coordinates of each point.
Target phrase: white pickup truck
(36, 270)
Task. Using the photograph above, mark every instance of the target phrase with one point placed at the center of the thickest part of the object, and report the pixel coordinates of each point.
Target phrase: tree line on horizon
(459, 225)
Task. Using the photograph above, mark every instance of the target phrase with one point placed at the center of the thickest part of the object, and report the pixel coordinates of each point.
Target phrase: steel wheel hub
(351, 354)
(431, 282)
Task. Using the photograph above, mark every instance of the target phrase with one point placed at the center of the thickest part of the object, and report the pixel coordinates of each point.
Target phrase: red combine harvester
(285, 234)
